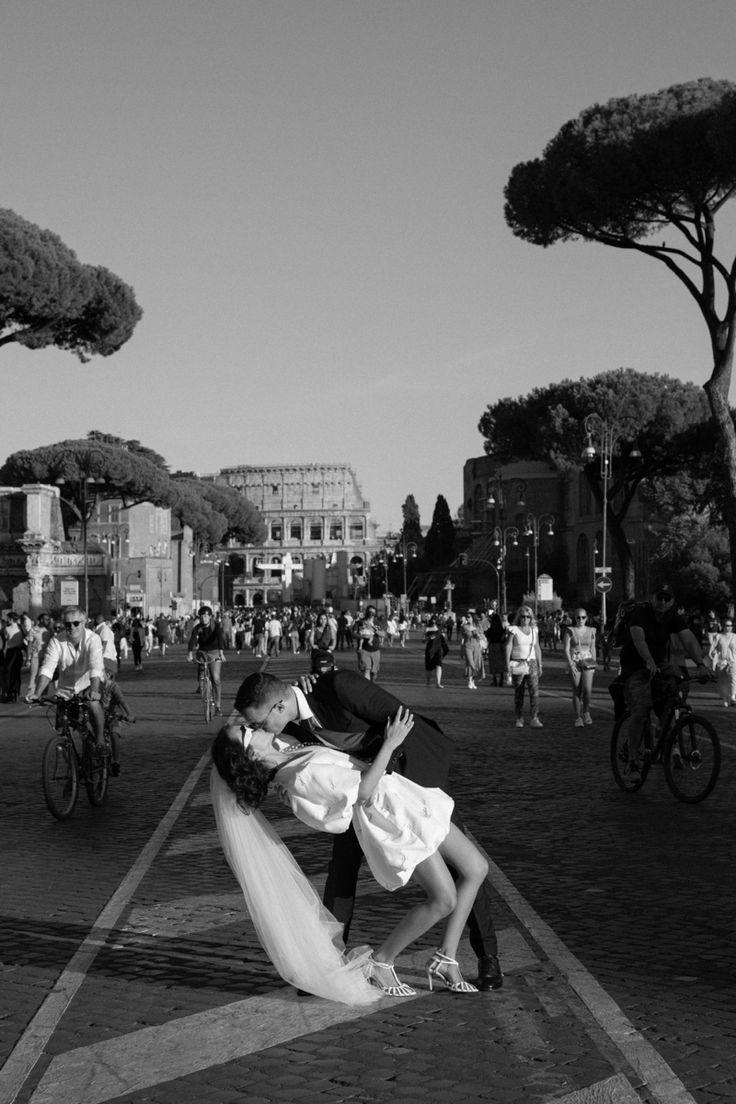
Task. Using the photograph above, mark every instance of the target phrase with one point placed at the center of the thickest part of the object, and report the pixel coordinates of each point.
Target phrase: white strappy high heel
(398, 989)
(435, 972)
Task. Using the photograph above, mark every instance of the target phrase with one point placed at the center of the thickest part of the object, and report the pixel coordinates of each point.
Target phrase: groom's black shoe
(489, 974)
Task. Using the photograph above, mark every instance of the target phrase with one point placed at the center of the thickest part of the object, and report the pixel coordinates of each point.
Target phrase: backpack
(620, 631)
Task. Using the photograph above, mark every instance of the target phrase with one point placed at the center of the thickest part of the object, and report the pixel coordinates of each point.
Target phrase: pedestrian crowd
(352, 760)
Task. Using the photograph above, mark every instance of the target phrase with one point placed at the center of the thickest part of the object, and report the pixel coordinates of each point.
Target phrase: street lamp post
(408, 552)
(607, 433)
(501, 537)
(533, 524)
(115, 539)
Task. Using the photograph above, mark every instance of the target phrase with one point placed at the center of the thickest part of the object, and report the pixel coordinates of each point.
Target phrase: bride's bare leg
(445, 898)
(472, 870)
(436, 881)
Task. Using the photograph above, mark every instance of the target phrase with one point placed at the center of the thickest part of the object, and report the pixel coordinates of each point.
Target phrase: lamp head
(588, 452)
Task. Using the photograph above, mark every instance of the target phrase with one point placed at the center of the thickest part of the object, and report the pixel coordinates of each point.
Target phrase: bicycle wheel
(692, 759)
(60, 777)
(96, 769)
(207, 695)
(620, 761)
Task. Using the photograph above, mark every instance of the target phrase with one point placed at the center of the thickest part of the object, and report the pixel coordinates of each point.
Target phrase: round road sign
(603, 583)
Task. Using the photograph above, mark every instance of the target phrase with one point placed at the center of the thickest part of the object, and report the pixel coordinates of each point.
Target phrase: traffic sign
(602, 570)
(603, 584)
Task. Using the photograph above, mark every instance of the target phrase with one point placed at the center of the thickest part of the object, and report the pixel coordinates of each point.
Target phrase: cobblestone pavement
(130, 971)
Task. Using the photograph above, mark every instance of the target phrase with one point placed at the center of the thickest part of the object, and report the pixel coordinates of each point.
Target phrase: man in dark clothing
(354, 712)
(644, 651)
(207, 645)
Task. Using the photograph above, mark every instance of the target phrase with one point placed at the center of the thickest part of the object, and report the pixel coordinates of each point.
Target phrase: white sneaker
(579, 723)
(535, 723)
(587, 718)
(519, 722)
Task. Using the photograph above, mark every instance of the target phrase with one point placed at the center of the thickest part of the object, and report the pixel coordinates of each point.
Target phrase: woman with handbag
(580, 654)
(524, 662)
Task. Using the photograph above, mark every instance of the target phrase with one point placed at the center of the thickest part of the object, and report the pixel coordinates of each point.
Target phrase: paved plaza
(131, 973)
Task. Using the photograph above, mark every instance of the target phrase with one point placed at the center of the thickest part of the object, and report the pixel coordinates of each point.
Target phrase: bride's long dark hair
(246, 776)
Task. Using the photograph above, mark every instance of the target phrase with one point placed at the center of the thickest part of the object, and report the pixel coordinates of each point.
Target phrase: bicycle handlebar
(56, 699)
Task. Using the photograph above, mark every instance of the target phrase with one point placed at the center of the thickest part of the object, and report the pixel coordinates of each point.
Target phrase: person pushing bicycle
(208, 641)
(75, 657)
(644, 652)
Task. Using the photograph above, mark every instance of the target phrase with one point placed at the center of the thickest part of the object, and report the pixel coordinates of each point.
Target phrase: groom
(342, 702)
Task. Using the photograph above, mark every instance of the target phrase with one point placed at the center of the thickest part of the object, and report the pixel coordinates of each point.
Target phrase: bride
(404, 831)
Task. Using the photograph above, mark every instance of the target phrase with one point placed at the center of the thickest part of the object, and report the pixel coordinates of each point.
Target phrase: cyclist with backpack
(644, 652)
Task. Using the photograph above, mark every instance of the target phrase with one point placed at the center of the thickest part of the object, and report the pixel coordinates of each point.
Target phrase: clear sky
(307, 197)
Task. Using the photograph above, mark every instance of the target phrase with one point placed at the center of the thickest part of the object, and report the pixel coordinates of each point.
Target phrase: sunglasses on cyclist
(72, 624)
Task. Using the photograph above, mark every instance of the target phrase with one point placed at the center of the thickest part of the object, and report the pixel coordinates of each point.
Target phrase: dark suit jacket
(345, 702)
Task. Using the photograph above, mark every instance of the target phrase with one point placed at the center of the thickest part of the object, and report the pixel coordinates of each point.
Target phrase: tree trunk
(717, 389)
(624, 557)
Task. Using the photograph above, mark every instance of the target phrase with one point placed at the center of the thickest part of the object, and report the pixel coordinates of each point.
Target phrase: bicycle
(685, 743)
(205, 688)
(71, 756)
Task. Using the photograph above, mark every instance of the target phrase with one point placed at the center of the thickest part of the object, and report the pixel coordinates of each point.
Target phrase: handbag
(583, 657)
(520, 667)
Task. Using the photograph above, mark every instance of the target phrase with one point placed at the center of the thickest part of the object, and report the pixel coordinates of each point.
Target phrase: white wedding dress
(401, 825)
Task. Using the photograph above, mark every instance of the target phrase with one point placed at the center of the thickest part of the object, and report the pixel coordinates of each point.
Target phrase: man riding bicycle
(208, 641)
(644, 652)
(75, 656)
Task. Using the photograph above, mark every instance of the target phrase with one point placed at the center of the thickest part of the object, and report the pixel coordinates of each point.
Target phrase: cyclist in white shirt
(76, 657)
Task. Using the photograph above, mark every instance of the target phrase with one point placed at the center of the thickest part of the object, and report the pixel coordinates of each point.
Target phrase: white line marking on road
(116, 1067)
(662, 1082)
(31, 1045)
(153, 1055)
(614, 1090)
